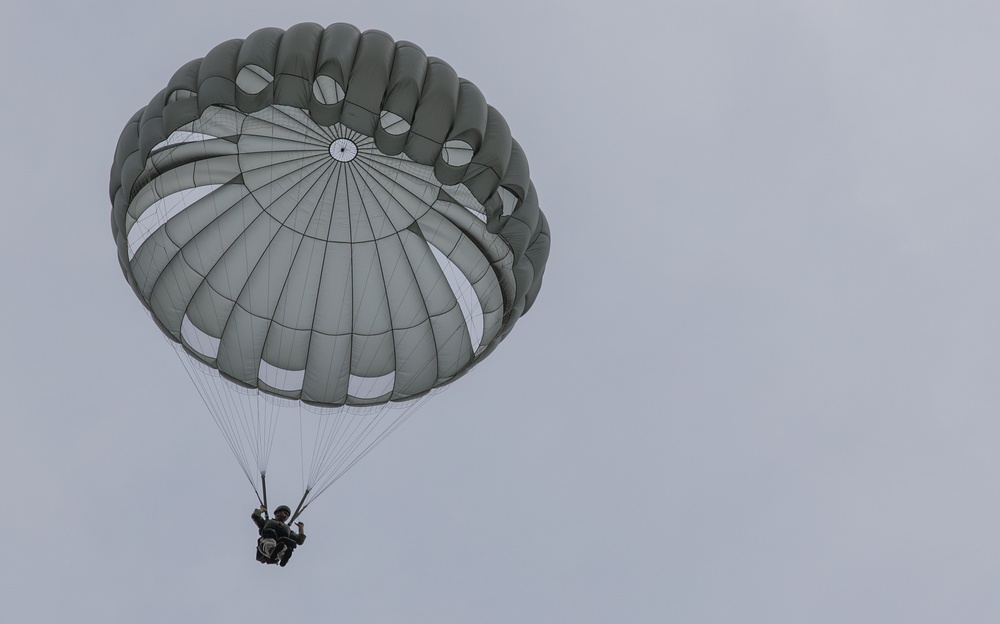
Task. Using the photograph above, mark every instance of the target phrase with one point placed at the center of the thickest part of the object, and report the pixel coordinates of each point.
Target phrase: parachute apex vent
(344, 150)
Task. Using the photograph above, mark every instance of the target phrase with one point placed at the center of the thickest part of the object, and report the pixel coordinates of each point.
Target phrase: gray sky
(759, 384)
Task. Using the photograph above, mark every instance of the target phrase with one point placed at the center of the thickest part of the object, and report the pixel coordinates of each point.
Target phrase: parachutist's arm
(258, 517)
(301, 535)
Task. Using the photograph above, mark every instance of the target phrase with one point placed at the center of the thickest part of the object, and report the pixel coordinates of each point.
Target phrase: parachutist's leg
(266, 550)
(286, 547)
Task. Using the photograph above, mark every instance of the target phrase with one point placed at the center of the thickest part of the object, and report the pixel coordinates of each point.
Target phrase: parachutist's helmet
(283, 508)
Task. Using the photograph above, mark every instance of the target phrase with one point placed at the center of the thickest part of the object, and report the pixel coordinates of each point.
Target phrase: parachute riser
(300, 507)
(263, 489)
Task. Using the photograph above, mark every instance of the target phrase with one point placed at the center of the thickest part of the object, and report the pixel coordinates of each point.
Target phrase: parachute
(329, 226)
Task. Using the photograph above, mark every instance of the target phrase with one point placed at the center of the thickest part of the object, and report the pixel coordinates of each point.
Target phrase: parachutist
(276, 541)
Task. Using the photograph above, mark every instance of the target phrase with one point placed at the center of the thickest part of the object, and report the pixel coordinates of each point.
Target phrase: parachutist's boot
(278, 552)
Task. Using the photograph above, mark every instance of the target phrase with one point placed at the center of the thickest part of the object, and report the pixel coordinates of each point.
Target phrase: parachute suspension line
(217, 407)
(247, 420)
(302, 452)
(408, 411)
(267, 415)
(339, 446)
(337, 441)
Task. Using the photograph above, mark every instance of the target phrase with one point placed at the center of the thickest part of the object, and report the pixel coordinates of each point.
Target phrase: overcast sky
(759, 383)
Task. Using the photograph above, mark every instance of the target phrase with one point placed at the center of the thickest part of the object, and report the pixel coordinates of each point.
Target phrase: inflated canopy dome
(327, 215)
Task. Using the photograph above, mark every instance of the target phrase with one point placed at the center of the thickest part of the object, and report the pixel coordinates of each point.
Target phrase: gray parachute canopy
(328, 216)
